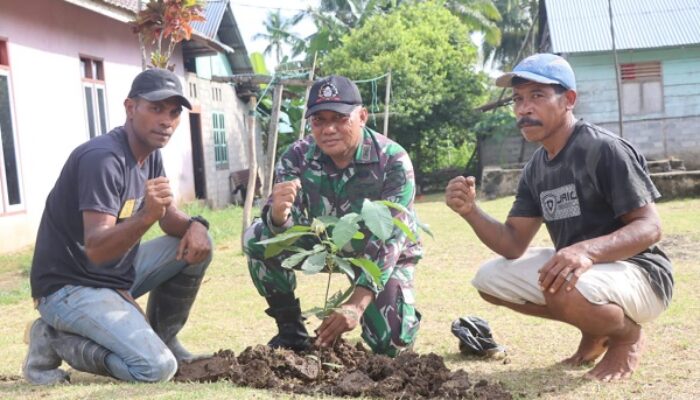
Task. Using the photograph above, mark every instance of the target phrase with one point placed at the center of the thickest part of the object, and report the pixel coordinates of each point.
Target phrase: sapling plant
(332, 238)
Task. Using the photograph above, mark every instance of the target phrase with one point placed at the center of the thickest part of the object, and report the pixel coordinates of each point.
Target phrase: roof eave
(115, 13)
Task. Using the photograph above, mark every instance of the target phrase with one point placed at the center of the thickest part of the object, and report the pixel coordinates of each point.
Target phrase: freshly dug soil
(343, 370)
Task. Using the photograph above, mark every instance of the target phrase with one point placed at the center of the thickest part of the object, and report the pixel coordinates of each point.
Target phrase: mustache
(527, 121)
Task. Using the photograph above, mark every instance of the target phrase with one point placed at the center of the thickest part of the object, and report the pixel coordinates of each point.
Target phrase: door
(200, 182)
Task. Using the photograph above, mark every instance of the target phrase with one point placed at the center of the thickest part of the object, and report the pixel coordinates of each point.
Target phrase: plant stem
(328, 287)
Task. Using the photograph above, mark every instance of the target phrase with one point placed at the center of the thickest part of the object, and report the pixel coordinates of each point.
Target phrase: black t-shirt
(584, 190)
(100, 175)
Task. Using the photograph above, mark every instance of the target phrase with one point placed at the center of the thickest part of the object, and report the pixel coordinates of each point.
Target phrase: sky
(251, 14)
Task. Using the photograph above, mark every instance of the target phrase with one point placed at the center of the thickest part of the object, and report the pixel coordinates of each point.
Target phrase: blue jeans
(104, 316)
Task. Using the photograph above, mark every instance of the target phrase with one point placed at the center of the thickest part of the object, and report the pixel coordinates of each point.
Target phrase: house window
(193, 90)
(216, 94)
(10, 187)
(220, 146)
(642, 88)
(93, 78)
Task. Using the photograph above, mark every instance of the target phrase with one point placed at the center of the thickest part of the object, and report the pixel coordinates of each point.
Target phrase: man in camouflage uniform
(331, 172)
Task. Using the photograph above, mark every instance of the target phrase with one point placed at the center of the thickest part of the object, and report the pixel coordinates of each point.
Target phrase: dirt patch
(343, 370)
(680, 247)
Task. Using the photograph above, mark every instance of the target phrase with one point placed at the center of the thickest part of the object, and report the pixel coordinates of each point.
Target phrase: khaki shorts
(621, 283)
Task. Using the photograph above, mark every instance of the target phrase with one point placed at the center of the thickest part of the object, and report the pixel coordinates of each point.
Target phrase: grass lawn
(229, 314)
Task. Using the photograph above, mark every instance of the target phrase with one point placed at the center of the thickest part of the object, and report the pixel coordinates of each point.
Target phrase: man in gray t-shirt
(89, 264)
(592, 190)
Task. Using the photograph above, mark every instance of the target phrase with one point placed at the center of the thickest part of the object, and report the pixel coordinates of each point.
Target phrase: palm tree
(278, 33)
(519, 16)
(479, 15)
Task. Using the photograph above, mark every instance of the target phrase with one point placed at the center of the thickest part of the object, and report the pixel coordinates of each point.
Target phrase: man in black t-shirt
(89, 264)
(606, 276)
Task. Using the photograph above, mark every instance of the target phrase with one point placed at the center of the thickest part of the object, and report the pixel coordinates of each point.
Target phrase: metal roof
(213, 13)
(580, 26)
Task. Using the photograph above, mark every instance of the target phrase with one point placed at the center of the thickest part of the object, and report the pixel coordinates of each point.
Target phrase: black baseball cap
(333, 93)
(158, 84)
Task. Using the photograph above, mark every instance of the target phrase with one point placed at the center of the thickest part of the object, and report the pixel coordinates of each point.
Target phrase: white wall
(45, 41)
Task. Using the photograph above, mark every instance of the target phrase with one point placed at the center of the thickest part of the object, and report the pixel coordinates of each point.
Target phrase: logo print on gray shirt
(560, 203)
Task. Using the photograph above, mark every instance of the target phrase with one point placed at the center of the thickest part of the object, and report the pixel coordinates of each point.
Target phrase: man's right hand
(157, 198)
(460, 195)
(283, 195)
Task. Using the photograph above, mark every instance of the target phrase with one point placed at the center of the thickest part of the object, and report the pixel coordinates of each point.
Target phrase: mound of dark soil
(343, 370)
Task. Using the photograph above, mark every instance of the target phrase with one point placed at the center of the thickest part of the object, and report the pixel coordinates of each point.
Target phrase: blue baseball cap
(546, 68)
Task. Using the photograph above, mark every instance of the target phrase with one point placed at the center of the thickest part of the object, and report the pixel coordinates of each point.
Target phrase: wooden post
(386, 104)
(272, 139)
(617, 71)
(302, 127)
(252, 167)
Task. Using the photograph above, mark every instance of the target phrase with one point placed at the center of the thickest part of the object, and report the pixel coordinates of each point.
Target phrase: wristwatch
(201, 220)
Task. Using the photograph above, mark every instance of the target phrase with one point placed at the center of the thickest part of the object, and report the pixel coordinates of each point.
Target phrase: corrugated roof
(213, 13)
(580, 26)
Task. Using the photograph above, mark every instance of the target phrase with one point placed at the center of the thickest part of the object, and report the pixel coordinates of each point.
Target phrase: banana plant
(331, 235)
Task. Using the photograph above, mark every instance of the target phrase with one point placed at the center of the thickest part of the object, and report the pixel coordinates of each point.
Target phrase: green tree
(434, 85)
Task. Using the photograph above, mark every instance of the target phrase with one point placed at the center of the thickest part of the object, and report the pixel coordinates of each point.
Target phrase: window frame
(5, 206)
(220, 140)
(92, 79)
(636, 75)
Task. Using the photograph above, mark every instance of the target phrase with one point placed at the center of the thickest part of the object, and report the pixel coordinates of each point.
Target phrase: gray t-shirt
(584, 190)
(100, 175)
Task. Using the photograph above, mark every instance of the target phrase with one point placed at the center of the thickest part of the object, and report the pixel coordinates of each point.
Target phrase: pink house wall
(45, 39)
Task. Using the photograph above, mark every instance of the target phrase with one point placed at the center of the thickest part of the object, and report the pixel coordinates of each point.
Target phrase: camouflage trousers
(389, 324)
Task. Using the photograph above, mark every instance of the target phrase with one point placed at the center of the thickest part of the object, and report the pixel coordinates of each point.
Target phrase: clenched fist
(283, 195)
(157, 197)
(460, 195)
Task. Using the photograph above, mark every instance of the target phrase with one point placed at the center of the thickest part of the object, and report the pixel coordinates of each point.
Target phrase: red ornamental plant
(165, 23)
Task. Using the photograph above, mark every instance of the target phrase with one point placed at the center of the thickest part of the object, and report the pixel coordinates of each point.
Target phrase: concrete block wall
(218, 190)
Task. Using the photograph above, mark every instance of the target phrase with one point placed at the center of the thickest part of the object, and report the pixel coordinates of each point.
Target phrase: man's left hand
(194, 246)
(342, 320)
(568, 262)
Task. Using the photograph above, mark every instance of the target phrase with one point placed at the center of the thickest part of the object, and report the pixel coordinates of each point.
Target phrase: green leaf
(395, 206)
(343, 232)
(345, 266)
(294, 260)
(273, 249)
(257, 61)
(284, 237)
(377, 217)
(317, 312)
(352, 217)
(314, 263)
(359, 235)
(370, 267)
(406, 229)
(328, 220)
(299, 228)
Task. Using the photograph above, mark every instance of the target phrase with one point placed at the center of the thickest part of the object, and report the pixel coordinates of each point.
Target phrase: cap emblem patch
(328, 92)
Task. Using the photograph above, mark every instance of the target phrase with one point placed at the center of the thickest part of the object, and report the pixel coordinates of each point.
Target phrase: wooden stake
(252, 167)
(302, 127)
(386, 104)
(272, 134)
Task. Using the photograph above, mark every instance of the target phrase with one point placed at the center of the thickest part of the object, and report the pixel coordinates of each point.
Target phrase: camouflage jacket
(381, 170)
